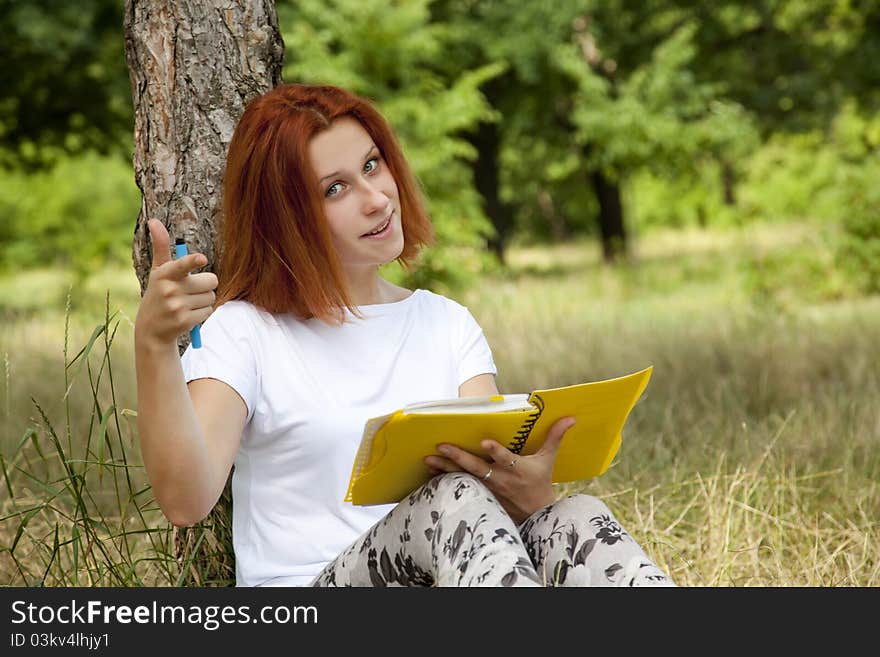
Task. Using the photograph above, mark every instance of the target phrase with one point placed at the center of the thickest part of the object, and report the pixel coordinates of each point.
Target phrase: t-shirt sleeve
(475, 355)
(227, 353)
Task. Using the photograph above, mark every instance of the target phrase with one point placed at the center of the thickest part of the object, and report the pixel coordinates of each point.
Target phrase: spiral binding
(521, 436)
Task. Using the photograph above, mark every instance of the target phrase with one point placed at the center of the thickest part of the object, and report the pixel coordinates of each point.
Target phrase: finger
(467, 461)
(198, 316)
(438, 464)
(498, 452)
(162, 253)
(199, 301)
(554, 436)
(198, 283)
(161, 243)
(181, 268)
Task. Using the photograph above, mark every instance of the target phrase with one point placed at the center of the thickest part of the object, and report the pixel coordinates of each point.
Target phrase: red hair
(275, 245)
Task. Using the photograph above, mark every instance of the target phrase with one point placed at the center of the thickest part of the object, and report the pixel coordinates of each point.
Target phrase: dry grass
(752, 459)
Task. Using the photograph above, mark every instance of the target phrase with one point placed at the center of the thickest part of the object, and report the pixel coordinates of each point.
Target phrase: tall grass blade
(19, 532)
(6, 477)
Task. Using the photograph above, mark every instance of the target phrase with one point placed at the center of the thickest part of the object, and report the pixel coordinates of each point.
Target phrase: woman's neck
(368, 288)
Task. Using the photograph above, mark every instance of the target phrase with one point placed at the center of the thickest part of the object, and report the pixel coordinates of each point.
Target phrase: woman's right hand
(174, 301)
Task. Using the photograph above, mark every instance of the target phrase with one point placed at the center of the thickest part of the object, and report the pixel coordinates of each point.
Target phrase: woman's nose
(374, 199)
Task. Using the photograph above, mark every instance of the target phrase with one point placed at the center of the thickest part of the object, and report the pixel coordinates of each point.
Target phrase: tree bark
(193, 66)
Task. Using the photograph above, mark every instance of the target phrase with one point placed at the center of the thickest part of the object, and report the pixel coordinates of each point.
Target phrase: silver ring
(487, 475)
(513, 463)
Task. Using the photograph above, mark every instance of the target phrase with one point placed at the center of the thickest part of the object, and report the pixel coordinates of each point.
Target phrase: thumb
(555, 434)
(161, 242)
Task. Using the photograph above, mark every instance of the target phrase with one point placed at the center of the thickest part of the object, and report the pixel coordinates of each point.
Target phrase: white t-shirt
(309, 388)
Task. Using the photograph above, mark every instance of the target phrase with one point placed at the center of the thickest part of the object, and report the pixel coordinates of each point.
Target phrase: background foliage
(511, 113)
(688, 113)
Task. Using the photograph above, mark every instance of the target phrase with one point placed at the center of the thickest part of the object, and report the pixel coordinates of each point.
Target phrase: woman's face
(360, 195)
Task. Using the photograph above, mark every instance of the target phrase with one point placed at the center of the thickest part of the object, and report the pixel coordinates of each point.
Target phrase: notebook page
(484, 404)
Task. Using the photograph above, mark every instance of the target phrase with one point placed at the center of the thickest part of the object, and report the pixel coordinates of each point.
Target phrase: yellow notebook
(389, 462)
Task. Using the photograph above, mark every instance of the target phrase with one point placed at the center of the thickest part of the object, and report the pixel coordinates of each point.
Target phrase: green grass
(752, 459)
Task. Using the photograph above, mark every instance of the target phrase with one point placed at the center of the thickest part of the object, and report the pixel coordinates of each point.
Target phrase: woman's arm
(478, 386)
(188, 435)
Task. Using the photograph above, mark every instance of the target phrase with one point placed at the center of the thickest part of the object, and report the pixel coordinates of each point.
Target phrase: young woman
(303, 342)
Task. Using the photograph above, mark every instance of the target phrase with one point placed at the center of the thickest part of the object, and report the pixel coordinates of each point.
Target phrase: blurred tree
(194, 65)
(790, 62)
(519, 142)
(592, 91)
(859, 248)
(63, 83)
(656, 114)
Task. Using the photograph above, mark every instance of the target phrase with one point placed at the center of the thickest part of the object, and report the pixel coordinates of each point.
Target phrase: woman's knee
(582, 506)
(461, 483)
(460, 488)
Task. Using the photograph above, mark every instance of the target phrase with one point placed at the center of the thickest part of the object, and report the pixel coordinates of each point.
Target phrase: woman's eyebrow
(336, 173)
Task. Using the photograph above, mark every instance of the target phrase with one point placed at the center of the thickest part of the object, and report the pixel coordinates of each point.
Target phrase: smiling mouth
(381, 228)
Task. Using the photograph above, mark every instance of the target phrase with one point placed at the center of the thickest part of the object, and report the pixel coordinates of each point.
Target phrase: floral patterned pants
(453, 532)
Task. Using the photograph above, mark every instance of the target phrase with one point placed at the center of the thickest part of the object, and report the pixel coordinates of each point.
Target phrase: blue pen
(195, 336)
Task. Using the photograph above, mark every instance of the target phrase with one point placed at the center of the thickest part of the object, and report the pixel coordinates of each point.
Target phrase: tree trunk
(728, 181)
(193, 66)
(557, 223)
(486, 141)
(611, 226)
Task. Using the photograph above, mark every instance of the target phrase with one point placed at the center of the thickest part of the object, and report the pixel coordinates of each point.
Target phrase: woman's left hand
(522, 484)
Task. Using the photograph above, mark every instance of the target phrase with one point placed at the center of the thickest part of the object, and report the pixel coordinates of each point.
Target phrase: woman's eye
(371, 165)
